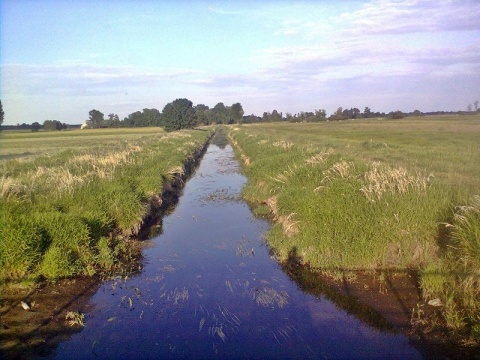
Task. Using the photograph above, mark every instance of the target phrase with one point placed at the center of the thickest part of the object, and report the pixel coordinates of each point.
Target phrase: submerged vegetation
(375, 195)
(69, 200)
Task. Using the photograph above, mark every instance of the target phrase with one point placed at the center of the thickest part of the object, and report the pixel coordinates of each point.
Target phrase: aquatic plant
(75, 318)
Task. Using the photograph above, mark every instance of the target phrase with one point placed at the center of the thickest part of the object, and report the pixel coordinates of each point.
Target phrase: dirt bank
(390, 301)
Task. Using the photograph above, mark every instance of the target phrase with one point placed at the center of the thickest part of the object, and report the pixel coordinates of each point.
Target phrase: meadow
(375, 195)
(71, 199)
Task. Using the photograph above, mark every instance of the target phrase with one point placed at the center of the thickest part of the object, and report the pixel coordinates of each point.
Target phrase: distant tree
(96, 118)
(396, 115)
(52, 125)
(475, 103)
(150, 117)
(250, 119)
(367, 113)
(236, 112)
(417, 113)
(276, 116)
(2, 114)
(355, 113)
(135, 119)
(320, 115)
(112, 122)
(220, 114)
(266, 117)
(469, 107)
(340, 114)
(203, 114)
(179, 114)
(36, 126)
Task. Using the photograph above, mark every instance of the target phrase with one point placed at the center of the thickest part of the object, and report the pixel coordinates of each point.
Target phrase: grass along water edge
(367, 196)
(68, 213)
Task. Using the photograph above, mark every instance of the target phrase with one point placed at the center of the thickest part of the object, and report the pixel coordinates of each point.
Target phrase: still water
(209, 289)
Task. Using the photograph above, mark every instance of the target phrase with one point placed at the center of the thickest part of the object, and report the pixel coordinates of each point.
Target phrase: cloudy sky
(61, 59)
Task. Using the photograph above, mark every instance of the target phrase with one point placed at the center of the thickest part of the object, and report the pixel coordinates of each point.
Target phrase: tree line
(181, 113)
(176, 115)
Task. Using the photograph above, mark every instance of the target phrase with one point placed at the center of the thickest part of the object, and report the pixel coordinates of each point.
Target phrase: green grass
(68, 198)
(374, 194)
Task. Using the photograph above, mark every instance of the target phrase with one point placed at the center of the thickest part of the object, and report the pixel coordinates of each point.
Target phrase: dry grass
(383, 179)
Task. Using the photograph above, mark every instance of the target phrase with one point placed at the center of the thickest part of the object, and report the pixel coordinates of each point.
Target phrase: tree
(52, 125)
(152, 117)
(320, 115)
(236, 112)
(96, 118)
(220, 114)
(179, 114)
(36, 126)
(469, 107)
(2, 114)
(203, 114)
(355, 113)
(417, 113)
(367, 113)
(475, 103)
(396, 115)
(276, 116)
(135, 119)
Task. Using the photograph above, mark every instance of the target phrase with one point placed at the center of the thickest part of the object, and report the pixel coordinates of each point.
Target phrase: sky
(59, 59)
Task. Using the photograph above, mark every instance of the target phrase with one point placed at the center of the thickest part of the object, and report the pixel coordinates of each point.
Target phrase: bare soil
(397, 298)
(32, 333)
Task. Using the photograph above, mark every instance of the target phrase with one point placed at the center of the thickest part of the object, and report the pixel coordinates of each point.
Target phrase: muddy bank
(26, 334)
(390, 301)
(35, 332)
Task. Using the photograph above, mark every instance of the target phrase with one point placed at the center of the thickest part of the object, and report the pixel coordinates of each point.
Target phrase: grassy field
(373, 195)
(69, 198)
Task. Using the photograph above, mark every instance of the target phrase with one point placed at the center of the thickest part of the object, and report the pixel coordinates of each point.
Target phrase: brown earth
(390, 301)
(25, 334)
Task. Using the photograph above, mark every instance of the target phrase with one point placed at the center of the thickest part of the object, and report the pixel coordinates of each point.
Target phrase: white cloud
(81, 79)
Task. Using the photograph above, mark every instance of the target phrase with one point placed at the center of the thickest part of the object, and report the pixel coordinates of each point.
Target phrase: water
(209, 289)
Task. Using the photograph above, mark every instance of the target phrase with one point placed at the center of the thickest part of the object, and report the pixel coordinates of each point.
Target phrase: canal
(210, 289)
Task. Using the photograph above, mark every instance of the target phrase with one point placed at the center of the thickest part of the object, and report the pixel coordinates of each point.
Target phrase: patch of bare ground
(390, 301)
(35, 332)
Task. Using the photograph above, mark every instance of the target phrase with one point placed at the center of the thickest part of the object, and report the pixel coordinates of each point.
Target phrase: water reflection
(210, 289)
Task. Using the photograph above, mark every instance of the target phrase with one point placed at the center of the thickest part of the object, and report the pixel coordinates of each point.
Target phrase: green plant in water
(75, 318)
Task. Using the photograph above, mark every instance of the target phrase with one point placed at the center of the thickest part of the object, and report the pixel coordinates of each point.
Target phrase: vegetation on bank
(69, 199)
(375, 195)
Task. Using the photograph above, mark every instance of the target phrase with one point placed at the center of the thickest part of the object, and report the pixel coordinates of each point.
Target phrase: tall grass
(373, 195)
(64, 213)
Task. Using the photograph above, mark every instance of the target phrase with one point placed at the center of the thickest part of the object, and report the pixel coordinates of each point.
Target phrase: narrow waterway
(209, 289)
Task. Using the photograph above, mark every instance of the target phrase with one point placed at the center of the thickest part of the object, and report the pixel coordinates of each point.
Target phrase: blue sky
(61, 59)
